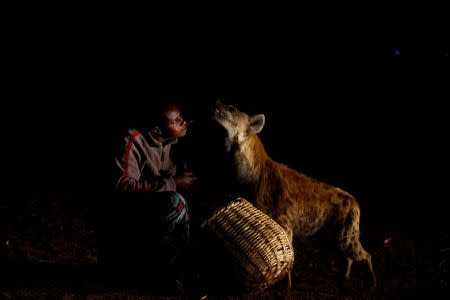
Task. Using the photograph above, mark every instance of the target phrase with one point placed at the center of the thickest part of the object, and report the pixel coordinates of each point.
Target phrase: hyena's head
(237, 124)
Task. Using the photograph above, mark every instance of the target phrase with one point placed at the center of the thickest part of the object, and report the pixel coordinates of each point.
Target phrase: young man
(150, 188)
(145, 164)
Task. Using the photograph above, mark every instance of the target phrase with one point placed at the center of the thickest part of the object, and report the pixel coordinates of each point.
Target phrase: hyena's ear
(257, 123)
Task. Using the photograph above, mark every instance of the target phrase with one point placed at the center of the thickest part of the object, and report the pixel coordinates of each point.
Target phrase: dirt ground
(50, 252)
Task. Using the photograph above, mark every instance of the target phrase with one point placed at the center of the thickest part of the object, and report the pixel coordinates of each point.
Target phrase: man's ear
(257, 123)
(156, 130)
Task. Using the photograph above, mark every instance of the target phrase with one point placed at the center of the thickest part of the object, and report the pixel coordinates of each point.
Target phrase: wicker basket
(258, 245)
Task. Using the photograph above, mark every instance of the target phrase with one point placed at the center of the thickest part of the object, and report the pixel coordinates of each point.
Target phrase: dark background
(353, 96)
(362, 110)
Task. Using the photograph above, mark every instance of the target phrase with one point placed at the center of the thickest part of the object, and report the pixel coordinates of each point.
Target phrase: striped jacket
(144, 164)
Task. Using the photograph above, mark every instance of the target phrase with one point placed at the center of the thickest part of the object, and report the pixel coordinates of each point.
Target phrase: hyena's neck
(249, 157)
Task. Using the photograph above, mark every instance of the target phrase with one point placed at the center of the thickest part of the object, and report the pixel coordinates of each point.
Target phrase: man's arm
(129, 176)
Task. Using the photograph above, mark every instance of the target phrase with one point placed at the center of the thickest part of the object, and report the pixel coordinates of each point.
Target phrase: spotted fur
(300, 204)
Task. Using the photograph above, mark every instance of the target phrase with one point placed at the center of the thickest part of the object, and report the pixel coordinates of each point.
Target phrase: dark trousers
(145, 230)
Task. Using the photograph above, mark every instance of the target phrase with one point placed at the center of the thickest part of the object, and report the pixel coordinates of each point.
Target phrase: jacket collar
(155, 143)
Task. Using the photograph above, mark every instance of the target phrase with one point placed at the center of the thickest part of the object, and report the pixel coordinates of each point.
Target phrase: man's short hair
(156, 114)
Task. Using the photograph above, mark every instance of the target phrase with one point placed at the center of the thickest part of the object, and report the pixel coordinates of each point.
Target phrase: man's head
(168, 122)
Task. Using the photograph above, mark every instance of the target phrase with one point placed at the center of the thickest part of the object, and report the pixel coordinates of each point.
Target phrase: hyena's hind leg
(350, 245)
(356, 253)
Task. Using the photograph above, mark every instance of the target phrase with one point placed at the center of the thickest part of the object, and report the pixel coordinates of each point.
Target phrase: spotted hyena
(300, 204)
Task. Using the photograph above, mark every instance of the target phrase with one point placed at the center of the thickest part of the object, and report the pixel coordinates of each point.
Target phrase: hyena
(300, 204)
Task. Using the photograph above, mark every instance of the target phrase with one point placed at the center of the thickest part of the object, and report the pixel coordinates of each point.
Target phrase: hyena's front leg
(290, 233)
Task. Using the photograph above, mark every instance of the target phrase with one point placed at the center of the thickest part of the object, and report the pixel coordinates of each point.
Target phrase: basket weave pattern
(259, 246)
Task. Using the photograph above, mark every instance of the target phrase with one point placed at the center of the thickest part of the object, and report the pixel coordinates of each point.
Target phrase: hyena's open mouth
(220, 111)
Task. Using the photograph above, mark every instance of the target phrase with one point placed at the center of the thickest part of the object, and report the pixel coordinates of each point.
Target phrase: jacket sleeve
(130, 178)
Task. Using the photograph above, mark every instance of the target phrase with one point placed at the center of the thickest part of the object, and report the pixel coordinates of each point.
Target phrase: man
(145, 164)
(150, 189)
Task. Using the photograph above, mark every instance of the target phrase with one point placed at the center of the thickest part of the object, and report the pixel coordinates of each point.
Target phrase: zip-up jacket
(144, 164)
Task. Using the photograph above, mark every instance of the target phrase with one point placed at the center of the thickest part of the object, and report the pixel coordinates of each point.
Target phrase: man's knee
(178, 202)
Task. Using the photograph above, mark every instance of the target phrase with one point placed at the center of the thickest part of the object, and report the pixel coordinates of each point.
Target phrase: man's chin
(183, 133)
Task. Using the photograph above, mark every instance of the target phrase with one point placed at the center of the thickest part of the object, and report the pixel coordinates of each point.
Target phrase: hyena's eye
(231, 107)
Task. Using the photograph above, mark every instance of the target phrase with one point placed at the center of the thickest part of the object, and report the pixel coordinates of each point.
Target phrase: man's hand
(185, 180)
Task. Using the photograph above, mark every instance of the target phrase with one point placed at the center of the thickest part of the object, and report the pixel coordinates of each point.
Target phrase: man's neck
(161, 140)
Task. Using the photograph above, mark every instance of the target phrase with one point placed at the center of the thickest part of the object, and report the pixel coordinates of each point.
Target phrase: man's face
(173, 125)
